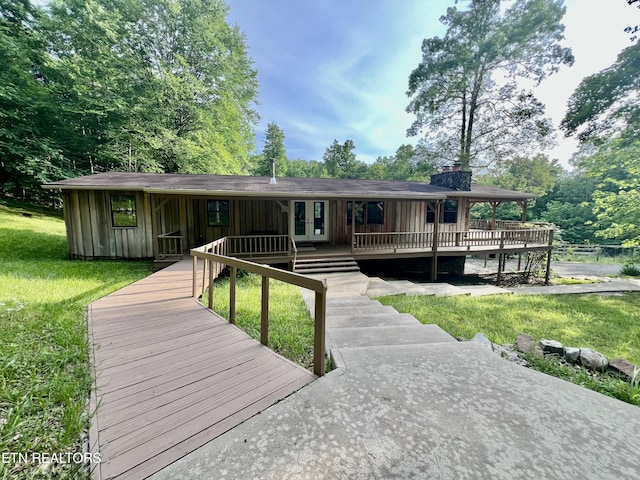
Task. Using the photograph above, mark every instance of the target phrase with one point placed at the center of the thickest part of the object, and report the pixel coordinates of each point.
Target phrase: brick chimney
(456, 179)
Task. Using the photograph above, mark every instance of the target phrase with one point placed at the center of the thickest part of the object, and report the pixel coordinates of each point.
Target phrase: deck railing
(215, 261)
(488, 224)
(169, 245)
(259, 245)
(472, 238)
(392, 240)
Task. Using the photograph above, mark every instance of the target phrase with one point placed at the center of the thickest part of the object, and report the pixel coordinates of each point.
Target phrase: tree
(569, 206)
(340, 161)
(30, 153)
(616, 167)
(464, 91)
(157, 85)
(273, 150)
(406, 164)
(536, 175)
(605, 104)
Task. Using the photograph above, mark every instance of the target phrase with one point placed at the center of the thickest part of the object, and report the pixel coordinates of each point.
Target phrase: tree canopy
(273, 150)
(340, 160)
(142, 85)
(464, 91)
(605, 103)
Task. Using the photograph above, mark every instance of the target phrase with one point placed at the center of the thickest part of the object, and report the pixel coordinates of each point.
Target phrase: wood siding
(90, 233)
(399, 216)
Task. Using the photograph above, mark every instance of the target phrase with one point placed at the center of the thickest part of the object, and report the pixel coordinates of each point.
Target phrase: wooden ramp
(170, 375)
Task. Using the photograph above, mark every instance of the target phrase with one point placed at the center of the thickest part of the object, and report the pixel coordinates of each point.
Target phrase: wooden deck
(170, 375)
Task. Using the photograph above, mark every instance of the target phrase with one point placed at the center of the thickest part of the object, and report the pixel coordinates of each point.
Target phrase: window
(375, 213)
(123, 211)
(218, 213)
(449, 212)
(367, 213)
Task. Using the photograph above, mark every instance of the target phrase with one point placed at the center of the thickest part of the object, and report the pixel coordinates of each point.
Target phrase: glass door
(309, 220)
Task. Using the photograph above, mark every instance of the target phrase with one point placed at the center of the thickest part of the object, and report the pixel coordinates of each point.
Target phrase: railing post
(195, 277)
(264, 312)
(210, 296)
(232, 295)
(319, 333)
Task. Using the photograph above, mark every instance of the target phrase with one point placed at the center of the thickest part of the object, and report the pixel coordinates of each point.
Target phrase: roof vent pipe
(273, 172)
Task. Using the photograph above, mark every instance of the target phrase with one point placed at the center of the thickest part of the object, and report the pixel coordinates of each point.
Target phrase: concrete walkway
(408, 401)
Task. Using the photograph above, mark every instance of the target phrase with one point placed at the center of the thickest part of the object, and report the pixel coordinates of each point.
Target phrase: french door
(309, 220)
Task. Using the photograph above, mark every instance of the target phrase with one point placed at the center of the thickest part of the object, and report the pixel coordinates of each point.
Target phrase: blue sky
(338, 69)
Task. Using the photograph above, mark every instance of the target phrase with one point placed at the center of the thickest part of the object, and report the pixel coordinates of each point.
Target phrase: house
(310, 224)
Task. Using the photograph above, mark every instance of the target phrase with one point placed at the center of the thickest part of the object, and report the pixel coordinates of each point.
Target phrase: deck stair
(325, 264)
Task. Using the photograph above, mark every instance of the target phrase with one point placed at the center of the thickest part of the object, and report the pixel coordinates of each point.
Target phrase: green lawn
(290, 324)
(609, 324)
(44, 370)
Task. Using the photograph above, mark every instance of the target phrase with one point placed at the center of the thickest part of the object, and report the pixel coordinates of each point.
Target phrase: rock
(622, 367)
(592, 359)
(525, 343)
(480, 338)
(551, 346)
(571, 354)
(506, 351)
(537, 352)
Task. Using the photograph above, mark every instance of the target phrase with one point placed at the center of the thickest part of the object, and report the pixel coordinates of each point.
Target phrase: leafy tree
(306, 169)
(464, 92)
(157, 85)
(273, 150)
(406, 164)
(29, 150)
(604, 104)
(340, 161)
(616, 167)
(570, 206)
(536, 175)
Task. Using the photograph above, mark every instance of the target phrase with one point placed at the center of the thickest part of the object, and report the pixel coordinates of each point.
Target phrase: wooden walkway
(170, 375)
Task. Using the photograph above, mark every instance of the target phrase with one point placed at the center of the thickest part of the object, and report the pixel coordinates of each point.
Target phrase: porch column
(523, 205)
(353, 226)
(436, 229)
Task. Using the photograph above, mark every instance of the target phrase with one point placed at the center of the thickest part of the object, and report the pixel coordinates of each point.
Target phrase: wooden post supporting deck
(232, 295)
(548, 272)
(434, 261)
(210, 296)
(319, 334)
(264, 312)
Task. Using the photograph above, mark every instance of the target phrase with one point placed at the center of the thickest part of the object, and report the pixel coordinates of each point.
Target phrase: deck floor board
(170, 375)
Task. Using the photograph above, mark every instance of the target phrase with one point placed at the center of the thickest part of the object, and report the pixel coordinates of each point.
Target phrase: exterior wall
(188, 216)
(399, 216)
(91, 234)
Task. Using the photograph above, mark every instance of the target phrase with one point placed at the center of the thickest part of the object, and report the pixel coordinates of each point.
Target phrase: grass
(608, 324)
(571, 281)
(290, 324)
(614, 387)
(44, 370)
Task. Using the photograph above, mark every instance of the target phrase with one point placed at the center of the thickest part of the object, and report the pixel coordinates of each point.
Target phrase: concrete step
(437, 289)
(351, 301)
(327, 269)
(370, 320)
(387, 335)
(359, 310)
